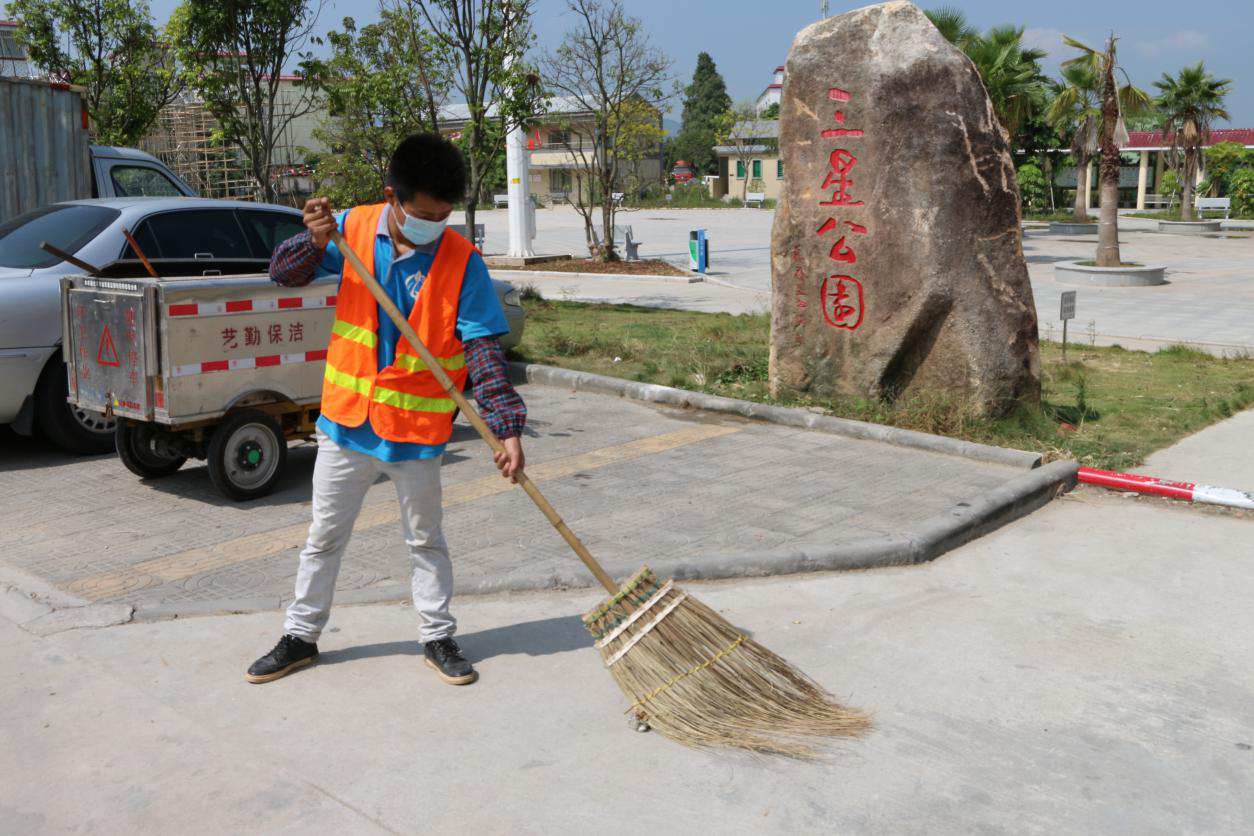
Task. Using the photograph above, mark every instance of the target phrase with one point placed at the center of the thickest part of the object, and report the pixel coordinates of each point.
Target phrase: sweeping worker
(383, 412)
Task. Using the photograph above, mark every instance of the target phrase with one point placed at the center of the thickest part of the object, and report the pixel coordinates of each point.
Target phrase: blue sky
(749, 38)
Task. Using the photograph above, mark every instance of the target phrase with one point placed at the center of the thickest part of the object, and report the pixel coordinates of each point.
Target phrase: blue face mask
(419, 231)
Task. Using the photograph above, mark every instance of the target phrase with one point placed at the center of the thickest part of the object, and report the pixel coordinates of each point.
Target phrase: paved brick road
(634, 481)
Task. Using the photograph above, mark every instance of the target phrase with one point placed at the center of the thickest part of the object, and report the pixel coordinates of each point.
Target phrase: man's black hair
(430, 164)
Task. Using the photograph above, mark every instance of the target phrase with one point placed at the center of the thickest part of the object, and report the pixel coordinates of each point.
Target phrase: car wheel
(137, 450)
(246, 455)
(64, 424)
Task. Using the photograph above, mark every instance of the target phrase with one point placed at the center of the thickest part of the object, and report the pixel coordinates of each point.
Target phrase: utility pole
(521, 225)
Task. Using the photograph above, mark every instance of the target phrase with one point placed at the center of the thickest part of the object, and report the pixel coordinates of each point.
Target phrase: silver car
(180, 236)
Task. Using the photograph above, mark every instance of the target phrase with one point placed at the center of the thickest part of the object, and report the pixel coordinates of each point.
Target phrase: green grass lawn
(1105, 407)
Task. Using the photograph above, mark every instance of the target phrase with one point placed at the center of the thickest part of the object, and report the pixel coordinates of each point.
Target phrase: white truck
(46, 157)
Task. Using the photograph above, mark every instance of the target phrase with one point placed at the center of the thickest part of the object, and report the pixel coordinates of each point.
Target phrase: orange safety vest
(403, 402)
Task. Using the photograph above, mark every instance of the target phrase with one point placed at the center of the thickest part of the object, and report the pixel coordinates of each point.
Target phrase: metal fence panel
(43, 146)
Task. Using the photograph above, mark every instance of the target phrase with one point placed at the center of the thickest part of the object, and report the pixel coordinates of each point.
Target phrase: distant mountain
(670, 126)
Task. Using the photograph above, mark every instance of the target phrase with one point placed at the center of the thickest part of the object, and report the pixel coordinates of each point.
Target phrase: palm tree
(1115, 102)
(952, 24)
(1076, 111)
(1011, 75)
(1190, 103)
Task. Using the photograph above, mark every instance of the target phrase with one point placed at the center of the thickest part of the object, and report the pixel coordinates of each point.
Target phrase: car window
(141, 181)
(146, 240)
(194, 233)
(269, 229)
(68, 227)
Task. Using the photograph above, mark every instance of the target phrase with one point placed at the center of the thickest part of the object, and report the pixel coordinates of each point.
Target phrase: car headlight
(513, 297)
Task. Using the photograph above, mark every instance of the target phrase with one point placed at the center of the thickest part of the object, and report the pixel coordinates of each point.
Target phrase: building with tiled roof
(1151, 147)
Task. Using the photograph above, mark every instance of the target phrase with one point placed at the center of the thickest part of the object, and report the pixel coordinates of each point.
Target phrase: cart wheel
(138, 452)
(246, 455)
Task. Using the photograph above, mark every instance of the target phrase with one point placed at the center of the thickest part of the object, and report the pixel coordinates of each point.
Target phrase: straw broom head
(698, 680)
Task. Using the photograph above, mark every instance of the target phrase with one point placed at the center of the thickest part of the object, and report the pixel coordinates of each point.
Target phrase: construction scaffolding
(185, 137)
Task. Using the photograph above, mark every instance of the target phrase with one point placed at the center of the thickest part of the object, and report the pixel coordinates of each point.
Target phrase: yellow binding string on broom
(659, 689)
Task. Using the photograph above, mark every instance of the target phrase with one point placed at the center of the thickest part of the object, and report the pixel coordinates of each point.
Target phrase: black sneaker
(446, 659)
(288, 655)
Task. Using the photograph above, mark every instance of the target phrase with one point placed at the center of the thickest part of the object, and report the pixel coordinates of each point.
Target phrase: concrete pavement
(1221, 455)
(636, 481)
(1083, 671)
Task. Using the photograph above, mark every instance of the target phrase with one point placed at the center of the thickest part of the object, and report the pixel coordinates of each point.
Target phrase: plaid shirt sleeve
(295, 261)
(501, 405)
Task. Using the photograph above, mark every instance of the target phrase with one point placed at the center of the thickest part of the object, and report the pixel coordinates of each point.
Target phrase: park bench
(501, 201)
(623, 241)
(559, 197)
(755, 197)
(1217, 204)
(1159, 201)
(460, 229)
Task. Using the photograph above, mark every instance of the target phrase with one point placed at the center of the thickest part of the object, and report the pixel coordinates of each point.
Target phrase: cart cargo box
(223, 368)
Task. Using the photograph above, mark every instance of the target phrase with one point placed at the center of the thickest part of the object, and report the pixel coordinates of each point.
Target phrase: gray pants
(340, 481)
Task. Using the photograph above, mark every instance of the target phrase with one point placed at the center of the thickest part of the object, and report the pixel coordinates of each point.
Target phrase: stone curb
(789, 416)
(929, 540)
(523, 275)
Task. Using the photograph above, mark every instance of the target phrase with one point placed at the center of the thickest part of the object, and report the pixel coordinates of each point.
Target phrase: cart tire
(69, 427)
(134, 444)
(247, 453)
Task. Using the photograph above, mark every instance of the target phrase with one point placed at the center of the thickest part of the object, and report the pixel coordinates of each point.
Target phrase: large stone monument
(897, 262)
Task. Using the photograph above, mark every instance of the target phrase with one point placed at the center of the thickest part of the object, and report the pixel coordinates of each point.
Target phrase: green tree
(382, 83)
(1011, 73)
(952, 24)
(1032, 187)
(1115, 101)
(608, 69)
(1075, 111)
(1241, 189)
(638, 128)
(109, 47)
(486, 39)
(233, 53)
(1223, 159)
(771, 111)
(1190, 103)
(1012, 76)
(1170, 186)
(705, 99)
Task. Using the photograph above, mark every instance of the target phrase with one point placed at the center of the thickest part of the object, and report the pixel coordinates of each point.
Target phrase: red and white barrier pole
(1162, 487)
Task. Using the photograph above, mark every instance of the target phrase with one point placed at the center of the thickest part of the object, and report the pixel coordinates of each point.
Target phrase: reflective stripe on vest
(414, 364)
(390, 397)
(355, 333)
(414, 403)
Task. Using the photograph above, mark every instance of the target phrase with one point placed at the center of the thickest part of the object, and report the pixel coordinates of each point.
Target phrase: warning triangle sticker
(107, 355)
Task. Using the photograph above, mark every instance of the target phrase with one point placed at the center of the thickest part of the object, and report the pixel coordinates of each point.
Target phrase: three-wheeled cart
(227, 369)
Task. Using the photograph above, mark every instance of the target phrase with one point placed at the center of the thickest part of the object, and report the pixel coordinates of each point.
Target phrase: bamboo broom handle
(475, 419)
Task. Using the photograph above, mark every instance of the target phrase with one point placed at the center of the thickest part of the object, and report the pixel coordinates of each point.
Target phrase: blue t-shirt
(479, 314)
